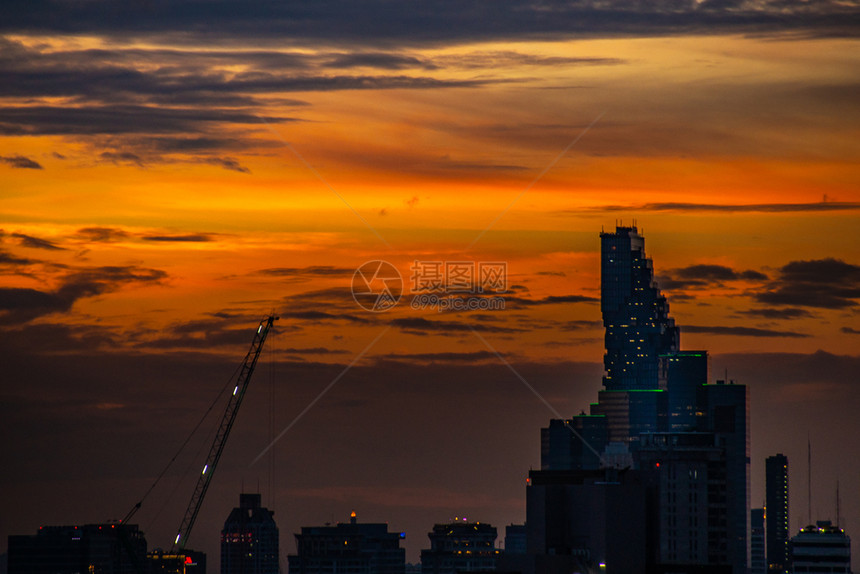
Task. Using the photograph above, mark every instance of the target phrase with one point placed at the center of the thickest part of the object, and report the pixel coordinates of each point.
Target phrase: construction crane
(223, 433)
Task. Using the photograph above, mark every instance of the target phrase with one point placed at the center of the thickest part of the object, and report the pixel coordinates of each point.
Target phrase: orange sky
(735, 151)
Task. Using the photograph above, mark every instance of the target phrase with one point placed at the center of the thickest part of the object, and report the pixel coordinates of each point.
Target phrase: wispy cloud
(20, 162)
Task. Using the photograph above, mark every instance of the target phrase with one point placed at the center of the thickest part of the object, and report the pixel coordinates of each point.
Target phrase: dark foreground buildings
(460, 546)
(110, 548)
(249, 540)
(352, 548)
(655, 477)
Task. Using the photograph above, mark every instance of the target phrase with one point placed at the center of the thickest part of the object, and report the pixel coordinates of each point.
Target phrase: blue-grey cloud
(376, 22)
(822, 283)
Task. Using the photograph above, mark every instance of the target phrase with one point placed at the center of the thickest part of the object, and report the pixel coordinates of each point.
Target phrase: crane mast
(227, 420)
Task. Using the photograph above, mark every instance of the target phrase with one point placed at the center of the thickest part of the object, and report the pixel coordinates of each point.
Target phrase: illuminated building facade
(249, 540)
(460, 546)
(352, 548)
(776, 508)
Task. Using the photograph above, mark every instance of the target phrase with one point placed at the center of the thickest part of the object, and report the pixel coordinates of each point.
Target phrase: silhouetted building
(561, 449)
(515, 539)
(460, 546)
(586, 521)
(661, 430)
(776, 509)
(821, 548)
(725, 412)
(689, 472)
(249, 540)
(681, 375)
(179, 562)
(111, 548)
(635, 313)
(352, 548)
(758, 554)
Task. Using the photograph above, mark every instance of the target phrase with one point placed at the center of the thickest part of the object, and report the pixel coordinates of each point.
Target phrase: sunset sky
(172, 172)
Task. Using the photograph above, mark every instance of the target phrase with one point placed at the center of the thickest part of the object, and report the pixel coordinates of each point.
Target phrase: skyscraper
(776, 509)
(249, 540)
(635, 313)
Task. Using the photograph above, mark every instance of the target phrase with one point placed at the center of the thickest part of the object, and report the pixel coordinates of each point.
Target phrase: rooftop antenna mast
(809, 476)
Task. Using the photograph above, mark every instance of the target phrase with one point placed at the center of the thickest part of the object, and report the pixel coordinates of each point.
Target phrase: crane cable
(137, 506)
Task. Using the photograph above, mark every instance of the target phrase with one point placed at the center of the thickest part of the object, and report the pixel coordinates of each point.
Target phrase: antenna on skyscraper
(809, 475)
(838, 518)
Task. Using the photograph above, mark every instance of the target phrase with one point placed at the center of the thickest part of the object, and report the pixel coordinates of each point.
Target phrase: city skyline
(167, 179)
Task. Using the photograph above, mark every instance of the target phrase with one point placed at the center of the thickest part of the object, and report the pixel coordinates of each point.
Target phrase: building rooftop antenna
(809, 476)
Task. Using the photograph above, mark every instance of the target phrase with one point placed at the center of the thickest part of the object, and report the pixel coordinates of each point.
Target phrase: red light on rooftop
(658, 465)
(188, 560)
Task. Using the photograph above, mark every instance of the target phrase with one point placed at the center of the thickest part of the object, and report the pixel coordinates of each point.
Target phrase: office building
(661, 431)
(689, 475)
(351, 548)
(680, 375)
(460, 546)
(776, 509)
(758, 554)
(249, 540)
(635, 313)
(821, 548)
(111, 548)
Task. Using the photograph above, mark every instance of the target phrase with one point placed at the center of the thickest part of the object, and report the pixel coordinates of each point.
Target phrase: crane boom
(223, 431)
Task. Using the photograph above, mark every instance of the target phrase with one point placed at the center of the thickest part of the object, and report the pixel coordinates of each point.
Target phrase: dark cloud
(771, 313)
(738, 208)
(381, 23)
(118, 119)
(507, 58)
(314, 270)
(451, 357)
(122, 157)
(324, 316)
(850, 331)
(20, 162)
(741, 331)
(187, 238)
(823, 283)
(228, 163)
(550, 300)
(380, 60)
(102, 234)
(703, 275)
(19, 305)
(36, 242)
(7, 258)
(421, 325)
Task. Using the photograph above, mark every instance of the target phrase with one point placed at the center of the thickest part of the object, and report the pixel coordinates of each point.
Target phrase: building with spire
(249, 540)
